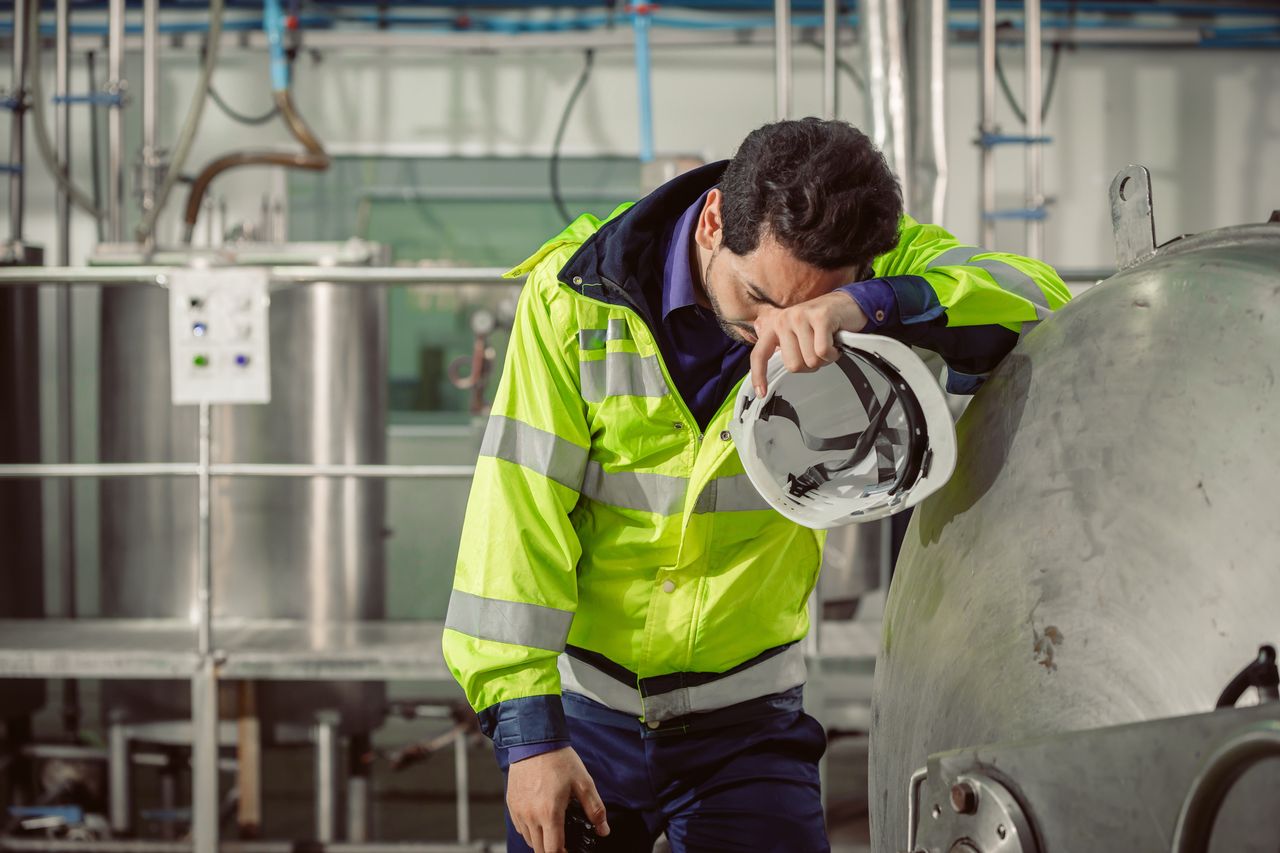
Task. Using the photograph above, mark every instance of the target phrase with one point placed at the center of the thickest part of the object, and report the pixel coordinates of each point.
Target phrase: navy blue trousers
(750, 786)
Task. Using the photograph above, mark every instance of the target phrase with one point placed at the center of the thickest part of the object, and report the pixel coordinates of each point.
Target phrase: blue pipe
(644, 77)
(1032, 213)
(273, 24)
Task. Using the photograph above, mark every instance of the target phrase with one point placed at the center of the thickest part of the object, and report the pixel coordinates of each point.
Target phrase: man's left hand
(805, 334)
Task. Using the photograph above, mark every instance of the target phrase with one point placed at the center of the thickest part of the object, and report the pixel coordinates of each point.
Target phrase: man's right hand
(538, 791)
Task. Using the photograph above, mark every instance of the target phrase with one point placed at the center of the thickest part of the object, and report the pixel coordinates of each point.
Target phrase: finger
(824, 344)
(523, 828)
(592, 805)
(792, 357)
(808, 351)
(765, 346)
(553, 834)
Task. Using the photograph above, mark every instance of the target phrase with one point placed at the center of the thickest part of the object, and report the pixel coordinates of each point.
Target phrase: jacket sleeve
(967, 304)
(515, 588)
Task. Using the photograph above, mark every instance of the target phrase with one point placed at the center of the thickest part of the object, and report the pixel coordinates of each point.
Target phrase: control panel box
(219, 335)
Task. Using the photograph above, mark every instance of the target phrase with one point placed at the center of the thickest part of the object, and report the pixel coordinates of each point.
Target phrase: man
(627, 610)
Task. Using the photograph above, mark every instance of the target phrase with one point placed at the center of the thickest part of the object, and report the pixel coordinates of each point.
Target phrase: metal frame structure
(271, 650)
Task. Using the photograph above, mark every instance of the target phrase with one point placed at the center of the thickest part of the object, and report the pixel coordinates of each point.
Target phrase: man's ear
(710, 226)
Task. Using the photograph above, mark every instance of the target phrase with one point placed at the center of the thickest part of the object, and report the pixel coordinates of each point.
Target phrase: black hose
(1050, 84)
(556, 197)
(236, 115)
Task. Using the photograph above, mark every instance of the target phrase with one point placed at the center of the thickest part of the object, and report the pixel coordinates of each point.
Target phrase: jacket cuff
(877, 300)
(529, 750)
(527, 720)
(916, 300)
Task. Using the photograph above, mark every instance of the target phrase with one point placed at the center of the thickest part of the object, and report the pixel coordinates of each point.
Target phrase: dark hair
(821, 188)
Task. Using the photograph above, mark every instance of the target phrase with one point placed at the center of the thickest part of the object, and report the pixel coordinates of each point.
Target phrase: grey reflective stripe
(955, 257)
(731, 494)
(1016, 282)
(594, 339)
(514, 622)
(590, 339)
(1005, 274)
(646, 492)
(529, 447)
(772, 675)
(622, 374)
(585, 680)
(618, 330)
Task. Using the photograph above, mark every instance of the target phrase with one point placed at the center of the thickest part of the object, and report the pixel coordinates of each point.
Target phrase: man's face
(739, 287)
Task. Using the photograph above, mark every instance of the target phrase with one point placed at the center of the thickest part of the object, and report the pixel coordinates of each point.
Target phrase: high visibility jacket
(613, 548)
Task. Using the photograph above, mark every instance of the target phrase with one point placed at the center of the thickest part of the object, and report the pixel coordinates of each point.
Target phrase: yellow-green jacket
(614, 549)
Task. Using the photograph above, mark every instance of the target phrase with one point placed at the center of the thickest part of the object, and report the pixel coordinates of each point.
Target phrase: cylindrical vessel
(21, 519)
(1107, 549)
(282, 548)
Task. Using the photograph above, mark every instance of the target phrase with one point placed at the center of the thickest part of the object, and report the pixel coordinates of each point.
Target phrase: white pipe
(115, 121)
(1035, 150)
(150, 104)
(871, 18)
(897, 95)
(782, 57)
(987, 88)
(830, 22)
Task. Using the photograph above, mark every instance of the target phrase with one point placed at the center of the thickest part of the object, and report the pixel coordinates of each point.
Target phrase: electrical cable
(556, 197)
(187, 136)
(95, 157)
(842, 64)
(36, 110)
(1049, 85)
(236, 115)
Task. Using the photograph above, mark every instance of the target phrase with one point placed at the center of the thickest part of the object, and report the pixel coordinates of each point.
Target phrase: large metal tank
(1107, 550)
(21, 519)
(307, 549)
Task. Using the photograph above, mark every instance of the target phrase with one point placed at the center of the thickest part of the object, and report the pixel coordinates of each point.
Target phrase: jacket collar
(623, 260)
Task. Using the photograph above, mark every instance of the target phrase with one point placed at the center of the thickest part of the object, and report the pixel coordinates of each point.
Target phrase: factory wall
(1207, 123)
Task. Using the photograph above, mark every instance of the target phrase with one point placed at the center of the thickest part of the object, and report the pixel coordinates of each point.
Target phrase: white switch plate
(219, 333)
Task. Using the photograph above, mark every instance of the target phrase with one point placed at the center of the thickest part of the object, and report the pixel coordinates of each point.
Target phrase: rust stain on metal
(1045, 645)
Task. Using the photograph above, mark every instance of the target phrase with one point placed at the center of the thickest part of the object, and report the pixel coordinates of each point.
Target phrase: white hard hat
(862, 438)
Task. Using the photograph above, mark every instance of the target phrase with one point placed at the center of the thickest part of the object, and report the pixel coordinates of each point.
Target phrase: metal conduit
(17, 185)
(314, 158)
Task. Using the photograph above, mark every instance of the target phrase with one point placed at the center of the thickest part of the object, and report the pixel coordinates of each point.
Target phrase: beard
(731, 328)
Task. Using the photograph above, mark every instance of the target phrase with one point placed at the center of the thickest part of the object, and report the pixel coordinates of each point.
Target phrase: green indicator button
(200, 361)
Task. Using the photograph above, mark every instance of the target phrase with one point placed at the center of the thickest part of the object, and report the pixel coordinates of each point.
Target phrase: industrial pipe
(150, 104)
(1229, 762)
(830, 21)
(115, 121)
(187, 136)
(782, 58)
(18, 96)
(59, 167)
(1034, 150)
(315, 159)
(987, 90)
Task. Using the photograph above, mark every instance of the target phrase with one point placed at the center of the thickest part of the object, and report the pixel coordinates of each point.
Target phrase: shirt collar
(678, 287)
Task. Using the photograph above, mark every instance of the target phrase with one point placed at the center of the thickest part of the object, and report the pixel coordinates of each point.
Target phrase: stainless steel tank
(21, 519)
(1108, 550)
(306, 549)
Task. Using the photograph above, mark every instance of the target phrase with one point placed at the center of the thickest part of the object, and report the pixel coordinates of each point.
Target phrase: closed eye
(759, 297)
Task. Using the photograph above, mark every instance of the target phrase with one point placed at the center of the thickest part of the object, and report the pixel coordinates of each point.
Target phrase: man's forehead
(780, 275)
